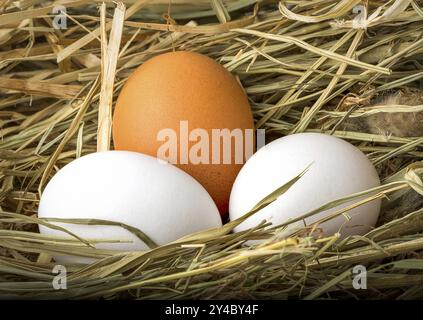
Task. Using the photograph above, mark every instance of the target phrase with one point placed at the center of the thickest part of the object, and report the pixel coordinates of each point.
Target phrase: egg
(180, 99)
(337, 169)
(138, 190)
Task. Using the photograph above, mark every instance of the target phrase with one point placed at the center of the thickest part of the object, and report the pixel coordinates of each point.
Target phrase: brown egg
(175, 106)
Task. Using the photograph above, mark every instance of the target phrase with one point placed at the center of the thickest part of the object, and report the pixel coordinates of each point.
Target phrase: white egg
(131, 188)
(337, 169)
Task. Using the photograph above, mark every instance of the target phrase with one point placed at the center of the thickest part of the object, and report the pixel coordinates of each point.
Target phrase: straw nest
(305, 65)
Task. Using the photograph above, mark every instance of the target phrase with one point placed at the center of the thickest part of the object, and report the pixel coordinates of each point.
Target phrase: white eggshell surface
(132, 188)
(337, 169)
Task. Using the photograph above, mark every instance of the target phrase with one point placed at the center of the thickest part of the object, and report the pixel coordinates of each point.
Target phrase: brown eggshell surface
(183, 86)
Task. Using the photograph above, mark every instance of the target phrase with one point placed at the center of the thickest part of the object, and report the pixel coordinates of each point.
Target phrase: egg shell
(337, 169)
(135, 189)
(183, 86)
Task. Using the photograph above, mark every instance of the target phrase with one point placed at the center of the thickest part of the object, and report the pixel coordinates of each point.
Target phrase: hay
(305, 65)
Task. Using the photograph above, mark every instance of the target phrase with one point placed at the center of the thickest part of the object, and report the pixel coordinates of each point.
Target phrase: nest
(307, 66)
